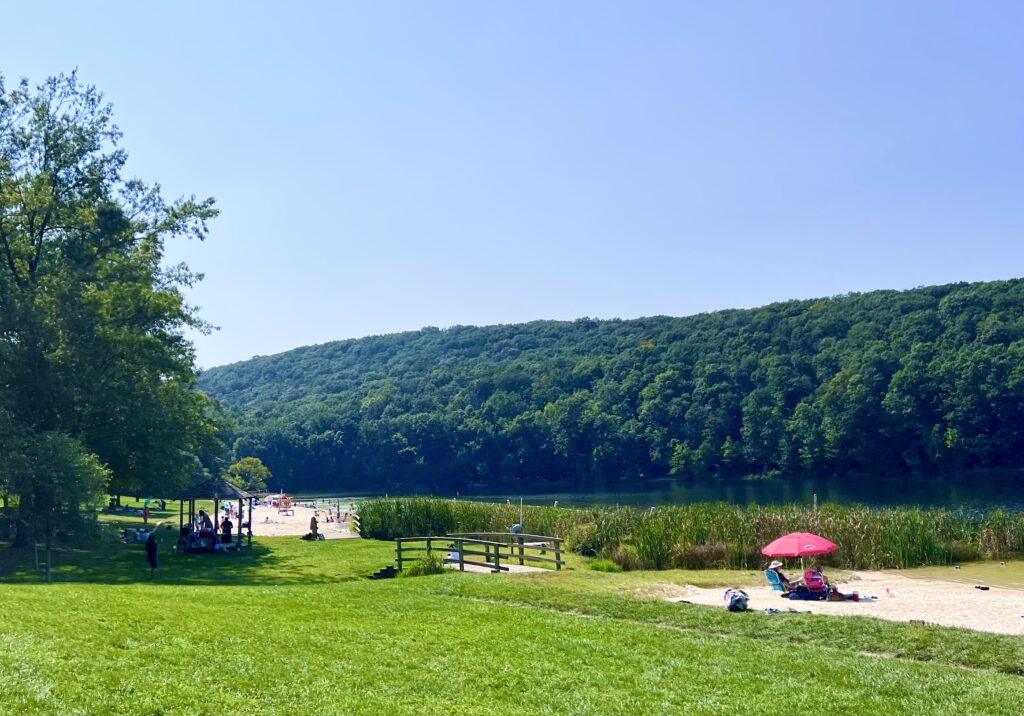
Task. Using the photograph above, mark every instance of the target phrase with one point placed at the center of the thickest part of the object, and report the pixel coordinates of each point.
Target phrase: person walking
(151, 551)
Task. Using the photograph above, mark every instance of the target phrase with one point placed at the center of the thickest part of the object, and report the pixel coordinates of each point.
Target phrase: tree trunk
(49, 530)
(22, 536)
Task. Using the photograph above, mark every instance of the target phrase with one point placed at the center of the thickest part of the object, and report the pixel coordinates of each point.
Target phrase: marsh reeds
(717, 535)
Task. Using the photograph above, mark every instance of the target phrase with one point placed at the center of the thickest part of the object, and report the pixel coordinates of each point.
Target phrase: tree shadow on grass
(280, 563)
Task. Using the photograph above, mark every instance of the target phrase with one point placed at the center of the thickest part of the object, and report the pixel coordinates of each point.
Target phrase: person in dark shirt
(776, 566)
(225, 530)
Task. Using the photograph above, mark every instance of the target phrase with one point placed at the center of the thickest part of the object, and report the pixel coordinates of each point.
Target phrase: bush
(626, 557)
(963, 552)
(700, 556)
(605, 565)
(432, 563)
(583, 539)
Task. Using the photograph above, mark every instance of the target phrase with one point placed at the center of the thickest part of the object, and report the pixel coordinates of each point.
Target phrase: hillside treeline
(924, 380)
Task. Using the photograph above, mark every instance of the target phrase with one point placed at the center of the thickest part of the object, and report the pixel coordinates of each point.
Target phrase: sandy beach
(998, 610)
(268, 522)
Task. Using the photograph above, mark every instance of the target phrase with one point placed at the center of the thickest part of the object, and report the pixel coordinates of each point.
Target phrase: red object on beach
(799, 544)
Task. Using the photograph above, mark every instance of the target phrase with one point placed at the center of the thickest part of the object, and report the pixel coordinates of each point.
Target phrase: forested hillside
(929, 379)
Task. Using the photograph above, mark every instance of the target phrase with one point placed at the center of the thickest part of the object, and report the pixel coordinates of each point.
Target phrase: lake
(982, 490)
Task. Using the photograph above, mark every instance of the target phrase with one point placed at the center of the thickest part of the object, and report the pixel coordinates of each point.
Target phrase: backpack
(735, 599)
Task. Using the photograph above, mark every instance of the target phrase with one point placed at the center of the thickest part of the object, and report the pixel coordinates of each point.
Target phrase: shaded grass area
(292, 629)
(270, 561)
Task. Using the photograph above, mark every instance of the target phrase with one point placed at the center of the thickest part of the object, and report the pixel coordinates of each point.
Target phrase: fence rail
(504, 547)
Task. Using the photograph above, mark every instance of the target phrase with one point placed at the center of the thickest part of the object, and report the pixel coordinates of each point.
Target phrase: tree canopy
(249, 473)
(97, 382)
(929, 379)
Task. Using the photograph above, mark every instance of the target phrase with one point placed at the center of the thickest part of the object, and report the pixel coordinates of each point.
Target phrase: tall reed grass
(717, 535)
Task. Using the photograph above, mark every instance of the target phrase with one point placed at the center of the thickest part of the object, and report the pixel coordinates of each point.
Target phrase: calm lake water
(982, 490)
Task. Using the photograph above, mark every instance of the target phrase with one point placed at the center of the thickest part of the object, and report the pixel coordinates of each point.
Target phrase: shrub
(432, 563)
(583, 539)
(963, 551)
(626, 556)
(605, 565)
(700, 556)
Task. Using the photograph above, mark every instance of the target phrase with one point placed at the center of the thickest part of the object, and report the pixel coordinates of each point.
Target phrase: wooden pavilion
(219, 491)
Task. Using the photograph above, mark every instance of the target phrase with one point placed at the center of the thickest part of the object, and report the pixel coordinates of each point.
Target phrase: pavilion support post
(216, 519)
(238, 544)
(181, 516)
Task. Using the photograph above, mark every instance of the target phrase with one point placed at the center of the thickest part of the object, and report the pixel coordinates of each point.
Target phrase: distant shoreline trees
(927, 380)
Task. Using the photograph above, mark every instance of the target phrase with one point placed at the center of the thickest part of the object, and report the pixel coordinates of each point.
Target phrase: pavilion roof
(216, 489)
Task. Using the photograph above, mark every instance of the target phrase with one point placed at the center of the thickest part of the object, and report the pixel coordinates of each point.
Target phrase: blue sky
(389, 165)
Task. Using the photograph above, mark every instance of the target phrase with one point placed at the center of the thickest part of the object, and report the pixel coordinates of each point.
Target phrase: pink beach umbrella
(799, 544)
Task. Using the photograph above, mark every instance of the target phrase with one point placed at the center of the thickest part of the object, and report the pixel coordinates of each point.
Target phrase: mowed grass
(294, 628)
(994, 573)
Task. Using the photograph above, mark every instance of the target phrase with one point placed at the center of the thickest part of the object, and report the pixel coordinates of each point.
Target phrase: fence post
(558, 554)
(398, 550)
(462, 557)
(497, 560)
(520, 550)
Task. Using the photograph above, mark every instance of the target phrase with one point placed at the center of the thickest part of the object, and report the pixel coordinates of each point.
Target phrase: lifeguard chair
(285, 506)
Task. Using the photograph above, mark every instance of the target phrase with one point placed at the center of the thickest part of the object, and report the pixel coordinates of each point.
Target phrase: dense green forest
(930, 379)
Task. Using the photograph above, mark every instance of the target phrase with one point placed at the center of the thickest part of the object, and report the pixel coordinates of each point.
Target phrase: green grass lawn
(994, 573)
(294, 628)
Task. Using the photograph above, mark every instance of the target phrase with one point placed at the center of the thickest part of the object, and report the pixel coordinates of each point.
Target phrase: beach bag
(735, 599)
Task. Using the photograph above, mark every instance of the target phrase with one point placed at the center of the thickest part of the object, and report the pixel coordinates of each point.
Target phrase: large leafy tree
(249, 473)
(92, 352)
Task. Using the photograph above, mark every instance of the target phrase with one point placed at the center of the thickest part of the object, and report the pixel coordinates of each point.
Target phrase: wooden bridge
(495, 551)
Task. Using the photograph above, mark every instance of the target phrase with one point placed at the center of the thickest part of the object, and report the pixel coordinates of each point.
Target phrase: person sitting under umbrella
(787, 585)
(817, 582)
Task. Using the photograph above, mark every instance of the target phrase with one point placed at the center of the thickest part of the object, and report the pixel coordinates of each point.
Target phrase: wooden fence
(483, 549)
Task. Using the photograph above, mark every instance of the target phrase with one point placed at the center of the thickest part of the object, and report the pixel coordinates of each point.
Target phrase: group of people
(814, 585)
(202, 534)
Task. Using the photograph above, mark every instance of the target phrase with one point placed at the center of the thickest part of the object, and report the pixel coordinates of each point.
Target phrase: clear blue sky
(389, 165)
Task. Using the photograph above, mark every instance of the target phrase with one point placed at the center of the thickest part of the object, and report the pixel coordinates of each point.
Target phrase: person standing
(313, 528)
(205, 523)
(151, 551)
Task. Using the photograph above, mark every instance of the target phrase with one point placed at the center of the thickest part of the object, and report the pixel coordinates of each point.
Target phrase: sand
(998, 610)
(268, 522)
